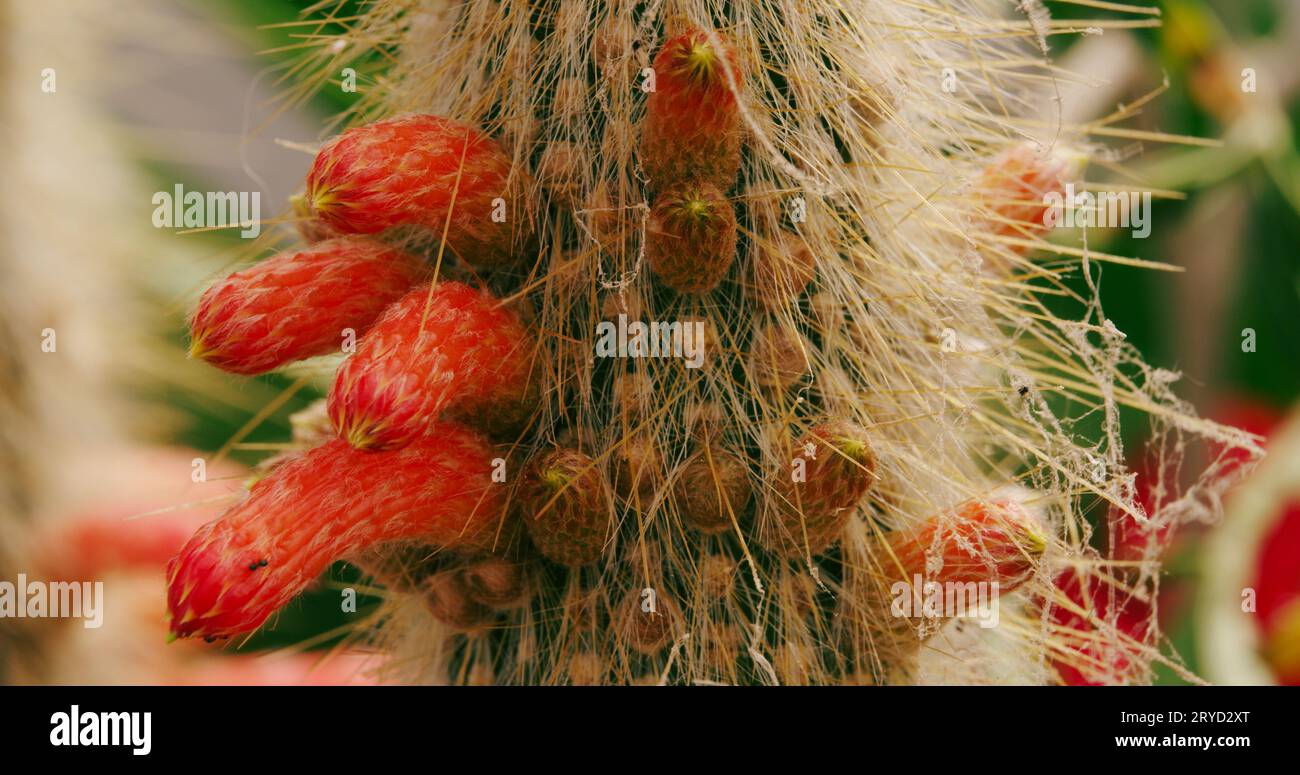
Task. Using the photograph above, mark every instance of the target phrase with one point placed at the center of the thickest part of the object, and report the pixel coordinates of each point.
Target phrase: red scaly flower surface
(467, 356)
(692, 124)
(414, 169)
(297, 305)
(330, 503)
(995, 541)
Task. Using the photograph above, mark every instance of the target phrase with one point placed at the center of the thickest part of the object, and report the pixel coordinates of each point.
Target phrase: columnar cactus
(759, 332)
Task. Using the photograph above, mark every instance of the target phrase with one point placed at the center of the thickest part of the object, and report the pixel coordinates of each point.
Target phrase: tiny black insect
(1023, 390)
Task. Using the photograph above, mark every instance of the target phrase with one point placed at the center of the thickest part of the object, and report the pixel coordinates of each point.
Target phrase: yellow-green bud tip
(555, 478)
(198, 350)
(854, 449)
(701, 62)
(1033, 541)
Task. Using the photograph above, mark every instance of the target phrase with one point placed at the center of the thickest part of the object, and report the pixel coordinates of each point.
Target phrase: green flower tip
(555, 478)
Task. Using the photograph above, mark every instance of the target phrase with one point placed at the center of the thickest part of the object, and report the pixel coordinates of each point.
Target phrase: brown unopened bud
(587, 669)
(607, 222)
(560, 170)
(717, 577)
(519, 132)
(795, 663)
(581, 607)
(799, 594)
(564, 503)
(778, 441)
(706, 421)
(763, 200)
(638, 469)
(827, 311)
(778, 357)
(722, 644)
(858, 678)
(569, 274)
(712, 490)
(481, 675)
(646, 559)
(635, 399)
(837, 387)
(570, 98)
(613, 49)
(616, 303)
(875, 104)
(700, 341)
(402, 567)
(779, 271)
(814, 494)
(450, 603)
(572, 437)
(650, 620)
(690, 238)
(496, 582)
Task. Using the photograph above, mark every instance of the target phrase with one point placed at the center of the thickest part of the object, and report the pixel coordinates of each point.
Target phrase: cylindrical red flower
(455, 350)
(297, 305)
(414, 170)
(692, 128)
(979, 541)
(328, 504)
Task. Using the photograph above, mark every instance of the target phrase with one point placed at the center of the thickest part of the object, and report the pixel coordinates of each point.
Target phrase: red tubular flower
(692, 124)
(412, 171)
(455, 350)
(979, 541)
(328, 504)
(297, 305)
